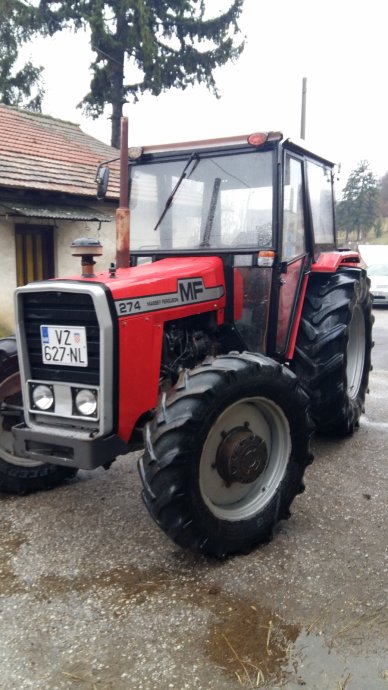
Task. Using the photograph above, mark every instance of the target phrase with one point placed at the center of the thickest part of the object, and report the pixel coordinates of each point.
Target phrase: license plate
(64, 346)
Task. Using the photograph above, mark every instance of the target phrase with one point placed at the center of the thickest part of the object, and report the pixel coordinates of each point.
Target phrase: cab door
(293, 249)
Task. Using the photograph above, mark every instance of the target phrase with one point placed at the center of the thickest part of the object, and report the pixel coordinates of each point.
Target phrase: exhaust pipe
(122, 213)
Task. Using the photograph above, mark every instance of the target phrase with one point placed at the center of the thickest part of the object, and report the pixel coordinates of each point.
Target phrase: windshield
(378, 270)
(217, 202)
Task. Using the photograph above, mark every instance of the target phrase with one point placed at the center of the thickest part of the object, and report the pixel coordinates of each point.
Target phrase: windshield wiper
(183, 175)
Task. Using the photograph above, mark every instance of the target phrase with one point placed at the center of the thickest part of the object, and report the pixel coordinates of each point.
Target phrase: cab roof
(264, 138)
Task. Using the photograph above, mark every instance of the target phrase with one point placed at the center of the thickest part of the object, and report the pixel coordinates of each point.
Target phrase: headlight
(86, 402)
(43, 397)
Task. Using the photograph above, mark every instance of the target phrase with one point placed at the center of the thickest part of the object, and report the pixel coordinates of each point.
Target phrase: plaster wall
(66, 232)
(7, 276)
(65, 264)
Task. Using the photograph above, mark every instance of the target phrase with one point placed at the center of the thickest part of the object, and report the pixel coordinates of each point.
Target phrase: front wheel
(225, 454)
(333, 350)
(19, 475)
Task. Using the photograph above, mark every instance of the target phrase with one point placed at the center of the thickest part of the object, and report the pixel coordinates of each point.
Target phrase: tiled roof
(42, 153)
(75, 212)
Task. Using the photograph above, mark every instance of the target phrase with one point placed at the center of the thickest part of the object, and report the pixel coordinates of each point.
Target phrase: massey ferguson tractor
(232, 330)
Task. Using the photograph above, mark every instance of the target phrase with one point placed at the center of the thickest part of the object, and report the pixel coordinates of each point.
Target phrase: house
(48, 199)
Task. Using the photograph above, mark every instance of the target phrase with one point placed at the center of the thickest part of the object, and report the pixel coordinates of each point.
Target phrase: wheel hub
(241, 457)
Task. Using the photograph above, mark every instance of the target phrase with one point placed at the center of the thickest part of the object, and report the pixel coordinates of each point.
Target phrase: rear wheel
(333, 350)
(19, 475)
(225, 454)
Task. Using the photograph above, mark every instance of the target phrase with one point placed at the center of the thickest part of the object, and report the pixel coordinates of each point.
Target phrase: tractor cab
(263, 204)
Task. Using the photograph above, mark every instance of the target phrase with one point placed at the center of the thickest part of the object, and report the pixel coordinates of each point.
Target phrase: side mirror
(102, 180)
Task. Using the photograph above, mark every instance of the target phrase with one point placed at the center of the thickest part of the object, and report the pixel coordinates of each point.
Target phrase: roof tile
(43, 153)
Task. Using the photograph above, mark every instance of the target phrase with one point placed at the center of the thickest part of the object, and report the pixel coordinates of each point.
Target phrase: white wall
(66, 233)
(7, 276)
(65, 264)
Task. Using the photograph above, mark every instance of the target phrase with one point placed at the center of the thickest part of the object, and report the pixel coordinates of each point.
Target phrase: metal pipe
(124, 163)
(122, 213)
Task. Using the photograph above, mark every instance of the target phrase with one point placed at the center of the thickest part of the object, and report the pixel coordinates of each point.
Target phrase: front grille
(61, 308)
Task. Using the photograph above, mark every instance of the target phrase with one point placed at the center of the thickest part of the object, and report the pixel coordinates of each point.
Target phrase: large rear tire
(333, 350)
(19, 475)
(225, 454)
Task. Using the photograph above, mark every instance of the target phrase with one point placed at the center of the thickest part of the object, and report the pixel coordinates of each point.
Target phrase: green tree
(146, 46)
(358, 211)
(19, 87)
(384, 195)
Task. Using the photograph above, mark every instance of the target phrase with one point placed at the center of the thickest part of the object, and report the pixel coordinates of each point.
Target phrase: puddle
(245, 643)
(251, 644)
(261, 650)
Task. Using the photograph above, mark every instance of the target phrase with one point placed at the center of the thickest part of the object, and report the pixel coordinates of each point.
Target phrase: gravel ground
(94, 597)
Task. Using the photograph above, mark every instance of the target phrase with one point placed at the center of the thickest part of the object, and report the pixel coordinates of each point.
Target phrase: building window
(34, 253)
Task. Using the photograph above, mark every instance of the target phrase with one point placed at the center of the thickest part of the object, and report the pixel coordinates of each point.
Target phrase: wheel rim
(6, 450)
(355, 352)
(234, 500)
(6, 437)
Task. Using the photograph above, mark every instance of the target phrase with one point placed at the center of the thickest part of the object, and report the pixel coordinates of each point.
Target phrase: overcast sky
(340, 46)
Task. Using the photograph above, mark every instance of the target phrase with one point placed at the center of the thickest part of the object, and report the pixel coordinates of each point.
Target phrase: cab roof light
(260, 138)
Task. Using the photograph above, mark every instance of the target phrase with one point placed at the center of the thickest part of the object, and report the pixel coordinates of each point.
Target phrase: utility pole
(303, 114)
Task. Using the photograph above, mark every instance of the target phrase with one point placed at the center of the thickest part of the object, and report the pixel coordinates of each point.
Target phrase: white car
(378, 274)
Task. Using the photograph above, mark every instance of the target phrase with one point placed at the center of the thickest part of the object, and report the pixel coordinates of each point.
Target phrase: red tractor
(237, 329)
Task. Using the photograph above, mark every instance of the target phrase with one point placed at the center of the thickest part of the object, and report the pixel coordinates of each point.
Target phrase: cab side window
(293, 214)
(321, 202)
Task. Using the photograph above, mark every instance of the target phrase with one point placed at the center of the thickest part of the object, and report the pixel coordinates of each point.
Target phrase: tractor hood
(167, 284)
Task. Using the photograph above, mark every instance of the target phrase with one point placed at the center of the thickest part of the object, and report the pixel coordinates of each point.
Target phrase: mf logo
(190, 289)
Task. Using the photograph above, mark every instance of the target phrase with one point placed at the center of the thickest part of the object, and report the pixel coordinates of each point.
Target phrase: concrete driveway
(94, 597)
